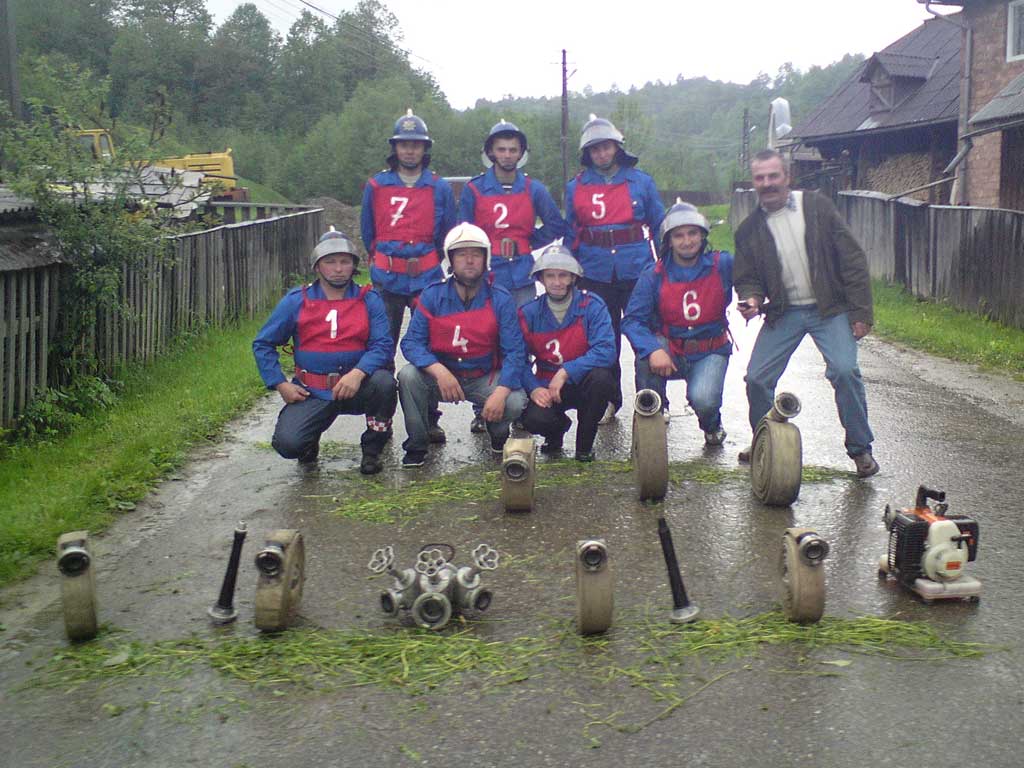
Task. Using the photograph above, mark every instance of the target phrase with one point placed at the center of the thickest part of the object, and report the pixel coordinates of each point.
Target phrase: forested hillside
(309, 114)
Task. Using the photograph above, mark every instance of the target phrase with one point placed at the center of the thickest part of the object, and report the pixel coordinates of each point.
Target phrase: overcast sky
(479, 49)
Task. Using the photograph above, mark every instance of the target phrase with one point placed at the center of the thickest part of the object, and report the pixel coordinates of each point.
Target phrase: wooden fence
(215, 276)
(972, 258)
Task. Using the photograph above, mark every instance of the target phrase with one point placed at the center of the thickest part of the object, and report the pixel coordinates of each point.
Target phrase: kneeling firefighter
(676, 318)
(463, 343)
(342, 342)
(569, 337)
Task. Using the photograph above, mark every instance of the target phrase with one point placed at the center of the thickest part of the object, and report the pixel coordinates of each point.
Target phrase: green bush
(58, 412)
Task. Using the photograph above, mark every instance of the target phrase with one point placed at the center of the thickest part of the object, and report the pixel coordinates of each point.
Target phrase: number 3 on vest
(556, 353)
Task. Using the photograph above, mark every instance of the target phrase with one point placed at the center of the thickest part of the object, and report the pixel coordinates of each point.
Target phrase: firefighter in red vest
(569, 335)
(676, 318)
(463, 343)
(506, 204)
(407, 209)
(342, 344)
(614, 211)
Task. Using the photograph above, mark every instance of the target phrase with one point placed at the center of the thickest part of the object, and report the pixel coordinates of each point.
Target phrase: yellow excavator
(218, 168)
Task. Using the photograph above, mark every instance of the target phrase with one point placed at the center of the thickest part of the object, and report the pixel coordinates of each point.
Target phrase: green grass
(259, 193)
(721, 235)
(112, 460)
(645, 653)
(940, 329)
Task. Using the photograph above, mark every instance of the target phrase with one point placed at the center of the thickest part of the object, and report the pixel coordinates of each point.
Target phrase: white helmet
(556, 256)
(466, 235)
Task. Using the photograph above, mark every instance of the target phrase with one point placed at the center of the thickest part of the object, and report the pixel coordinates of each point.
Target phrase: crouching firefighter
(569, 335)
(342, 344)
(676, 322)
(463, 343)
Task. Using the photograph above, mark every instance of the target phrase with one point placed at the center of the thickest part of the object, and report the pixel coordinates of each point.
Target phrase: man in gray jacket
(798, 264)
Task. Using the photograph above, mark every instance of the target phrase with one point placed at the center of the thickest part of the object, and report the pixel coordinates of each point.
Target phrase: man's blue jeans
(418, 391)
(833, 336)
(705, 379)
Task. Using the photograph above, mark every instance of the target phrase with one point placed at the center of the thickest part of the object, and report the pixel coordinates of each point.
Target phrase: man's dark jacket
(839, 268)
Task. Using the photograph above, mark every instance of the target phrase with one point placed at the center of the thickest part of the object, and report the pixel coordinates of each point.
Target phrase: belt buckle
(412, 266)
(508, 248)
(332, 379)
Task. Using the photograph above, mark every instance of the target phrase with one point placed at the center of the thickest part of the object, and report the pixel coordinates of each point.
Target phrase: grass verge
(112, 460)
(943, 330)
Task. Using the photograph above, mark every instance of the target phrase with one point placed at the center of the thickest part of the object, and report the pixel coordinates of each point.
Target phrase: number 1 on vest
(332, 318)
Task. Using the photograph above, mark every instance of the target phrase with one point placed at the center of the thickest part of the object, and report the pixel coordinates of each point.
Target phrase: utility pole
(9, 58)
(565, 127)
(745, 142)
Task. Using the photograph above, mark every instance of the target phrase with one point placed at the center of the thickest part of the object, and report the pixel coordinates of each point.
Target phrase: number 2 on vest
(402, 202)
(502, 210)
(458, 342)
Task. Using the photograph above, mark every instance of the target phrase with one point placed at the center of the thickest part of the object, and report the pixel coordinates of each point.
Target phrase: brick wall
(990, 73)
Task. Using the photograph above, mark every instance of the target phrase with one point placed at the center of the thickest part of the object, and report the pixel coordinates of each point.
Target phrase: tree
(82, 30)
(238, 69)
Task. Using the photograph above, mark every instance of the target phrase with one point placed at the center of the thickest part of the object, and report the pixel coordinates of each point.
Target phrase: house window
(1015, 31)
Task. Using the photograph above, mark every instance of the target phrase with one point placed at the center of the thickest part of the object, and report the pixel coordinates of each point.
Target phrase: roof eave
(874, 131)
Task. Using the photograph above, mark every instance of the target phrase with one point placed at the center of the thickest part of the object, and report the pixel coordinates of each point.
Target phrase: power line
(360, 32)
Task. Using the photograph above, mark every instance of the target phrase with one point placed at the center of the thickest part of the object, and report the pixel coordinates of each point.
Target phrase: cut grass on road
(113, 459)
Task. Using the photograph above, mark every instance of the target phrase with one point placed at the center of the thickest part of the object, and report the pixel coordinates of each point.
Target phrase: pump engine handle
(924, 493)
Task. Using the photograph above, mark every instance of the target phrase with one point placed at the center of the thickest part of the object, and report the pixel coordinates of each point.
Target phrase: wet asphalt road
(160, 567)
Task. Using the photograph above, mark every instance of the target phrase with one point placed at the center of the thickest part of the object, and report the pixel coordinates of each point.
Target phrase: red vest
(502, 216)
(334, 325)
(598, 204)
(552, 348)
(403, 213)
(464, 335)
(689, 305)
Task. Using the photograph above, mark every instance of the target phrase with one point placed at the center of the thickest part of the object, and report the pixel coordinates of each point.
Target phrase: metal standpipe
(223, 611)
(683, 610)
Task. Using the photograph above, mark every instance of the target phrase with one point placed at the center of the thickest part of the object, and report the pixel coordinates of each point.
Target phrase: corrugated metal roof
(25, 246)
(937, 100)
(11, 203)
(1008, 103)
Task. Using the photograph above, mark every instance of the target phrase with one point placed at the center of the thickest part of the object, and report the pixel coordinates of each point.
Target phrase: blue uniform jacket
(628, 261)
(282, 326)
(441, 299)
(596, 323)
(642, 322)
(516, 273)
(444, 220)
